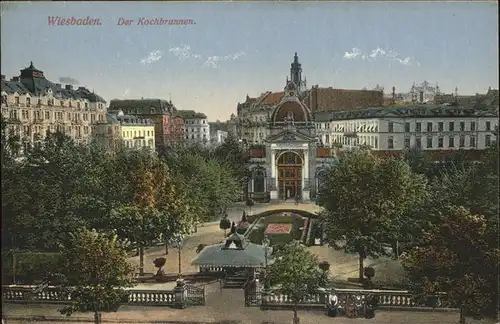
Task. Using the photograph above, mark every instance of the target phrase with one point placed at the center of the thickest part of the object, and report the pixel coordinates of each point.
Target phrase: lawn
(257, 233)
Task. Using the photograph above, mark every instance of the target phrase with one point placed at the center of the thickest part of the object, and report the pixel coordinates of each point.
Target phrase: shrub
(225, 224)
(369, 272)
(325, 266)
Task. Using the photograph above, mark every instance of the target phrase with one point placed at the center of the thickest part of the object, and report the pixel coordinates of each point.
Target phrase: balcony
(351, 134)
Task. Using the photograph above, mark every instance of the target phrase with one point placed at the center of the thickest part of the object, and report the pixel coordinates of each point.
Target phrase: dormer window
(61, 103)
(86, 105)
(78, 105)
(28, 102)
(16, 100)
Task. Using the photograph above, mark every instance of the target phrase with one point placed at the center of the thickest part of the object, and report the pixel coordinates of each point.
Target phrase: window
(28, 102)
(440, 126)
(462, 141)
(418, 142)
(451, 126)
(487, 140)
(473, 141)
(86, 105)
(429, 142)
(16, 100)
(391, 127)
(440, 142)
(390, 143)
(451, 141)
(407, 143)
(473, 126)
(61, 103)
(462, 126)
(407, 127)
(47, 115)
(375, 143)
(488, 126)
(429, 127)
(78, 105)
(327, 138)
(418, 127)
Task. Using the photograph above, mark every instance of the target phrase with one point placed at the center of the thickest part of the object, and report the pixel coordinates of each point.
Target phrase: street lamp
(179, 241)
(265, 244)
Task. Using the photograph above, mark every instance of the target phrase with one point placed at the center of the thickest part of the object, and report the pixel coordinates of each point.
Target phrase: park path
(208, 233)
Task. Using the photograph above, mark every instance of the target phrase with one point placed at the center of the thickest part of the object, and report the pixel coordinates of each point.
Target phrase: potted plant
(159, 263)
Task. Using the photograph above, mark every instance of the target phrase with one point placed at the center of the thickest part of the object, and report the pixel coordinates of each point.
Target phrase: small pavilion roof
(237, 251)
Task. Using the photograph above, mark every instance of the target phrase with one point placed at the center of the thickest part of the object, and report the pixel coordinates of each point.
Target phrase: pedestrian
(332, 304)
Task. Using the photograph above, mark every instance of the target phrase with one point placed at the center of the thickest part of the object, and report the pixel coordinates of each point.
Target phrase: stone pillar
(252, 187)
(180, 292)
(274, 176)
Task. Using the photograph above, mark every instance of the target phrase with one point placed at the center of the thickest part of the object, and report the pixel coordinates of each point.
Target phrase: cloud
(68, 80)
(380, 53)
(152, 57)
(212, 61)
(352, 55)
(184, 52)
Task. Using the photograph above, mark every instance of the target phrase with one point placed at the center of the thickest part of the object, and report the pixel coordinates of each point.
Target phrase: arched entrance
(289, 175)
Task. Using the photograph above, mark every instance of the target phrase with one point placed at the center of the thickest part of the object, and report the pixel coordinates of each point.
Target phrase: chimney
(248, 97)
(81, 88)
(68, 87)
(3, 77)
(15, 79)
(58, 85)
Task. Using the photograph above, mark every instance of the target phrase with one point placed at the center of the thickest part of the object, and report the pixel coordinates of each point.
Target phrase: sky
(232, 49)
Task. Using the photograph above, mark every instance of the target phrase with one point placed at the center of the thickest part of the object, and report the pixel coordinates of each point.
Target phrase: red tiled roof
(329, 99)
(271, 98)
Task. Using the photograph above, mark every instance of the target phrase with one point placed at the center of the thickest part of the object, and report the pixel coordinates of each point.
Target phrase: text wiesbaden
(72, 21)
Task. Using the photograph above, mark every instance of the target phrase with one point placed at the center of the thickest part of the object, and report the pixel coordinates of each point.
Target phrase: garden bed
(256, 235)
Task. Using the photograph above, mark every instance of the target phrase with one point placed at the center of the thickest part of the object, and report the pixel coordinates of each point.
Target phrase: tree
(96, 272)
(366, 200)
(235, 155)
(295, 273)
(458, 255)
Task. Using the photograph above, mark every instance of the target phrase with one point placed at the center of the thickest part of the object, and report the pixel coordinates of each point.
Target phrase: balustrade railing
(211, 269)
(55, 295)
(385, 298)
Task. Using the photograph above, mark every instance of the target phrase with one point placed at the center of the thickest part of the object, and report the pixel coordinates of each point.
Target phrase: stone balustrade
(151, 297)
(55, 295)
(386, 298)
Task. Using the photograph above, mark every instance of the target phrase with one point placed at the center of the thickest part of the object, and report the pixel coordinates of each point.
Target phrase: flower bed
(276, 229)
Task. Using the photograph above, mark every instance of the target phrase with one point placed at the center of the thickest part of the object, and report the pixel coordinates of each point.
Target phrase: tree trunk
(225, 232)
(166, 248)
(361, 267)
(141, 260)
(462, 315)
(97, 318)
(296, 319)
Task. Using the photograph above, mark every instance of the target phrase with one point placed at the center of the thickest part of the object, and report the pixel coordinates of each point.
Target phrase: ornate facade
(34, 106)
(294, 135)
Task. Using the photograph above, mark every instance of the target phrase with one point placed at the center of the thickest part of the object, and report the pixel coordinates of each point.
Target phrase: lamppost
(265, 244)
(179, 241)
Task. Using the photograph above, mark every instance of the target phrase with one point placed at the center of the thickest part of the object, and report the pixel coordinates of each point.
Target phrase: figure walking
(332, 304)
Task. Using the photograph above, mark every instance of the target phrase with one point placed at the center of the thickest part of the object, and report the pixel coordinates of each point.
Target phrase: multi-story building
(443, 129)
(218, 137)
(254, 115)
(196, 127)
(298, 143)
(125, 130)
(136, 132)
(158, 110)
(34, 106)
(176, 129)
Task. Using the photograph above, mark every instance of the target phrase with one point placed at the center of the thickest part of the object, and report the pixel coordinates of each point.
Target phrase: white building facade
(196, 127)
(219, 137)
(424, 127)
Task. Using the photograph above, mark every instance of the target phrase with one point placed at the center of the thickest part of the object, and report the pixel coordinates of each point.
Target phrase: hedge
(30, 266)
